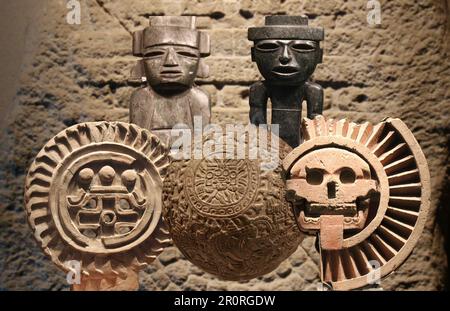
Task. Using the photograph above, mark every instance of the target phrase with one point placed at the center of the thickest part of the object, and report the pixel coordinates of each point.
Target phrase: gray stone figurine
(287, 52)
(171, 50)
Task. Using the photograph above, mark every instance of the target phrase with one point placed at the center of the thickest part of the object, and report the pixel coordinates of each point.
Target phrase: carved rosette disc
(230, 216)
(396, 220)
(93, 195)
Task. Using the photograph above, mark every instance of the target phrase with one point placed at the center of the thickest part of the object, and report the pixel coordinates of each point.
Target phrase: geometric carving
(378, 201)
(93, 194)
(212, 185)
(229, 216)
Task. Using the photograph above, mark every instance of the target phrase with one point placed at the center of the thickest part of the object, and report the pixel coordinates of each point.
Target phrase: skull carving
(331, 185)
(364, 189)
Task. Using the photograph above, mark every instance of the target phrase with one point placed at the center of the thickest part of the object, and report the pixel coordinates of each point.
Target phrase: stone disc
(396, 221)
(93, 195)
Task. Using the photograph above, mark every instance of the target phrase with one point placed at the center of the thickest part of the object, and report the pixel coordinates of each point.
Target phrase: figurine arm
(141, 108)
(314, 99)
(258, 103)
(202, 105)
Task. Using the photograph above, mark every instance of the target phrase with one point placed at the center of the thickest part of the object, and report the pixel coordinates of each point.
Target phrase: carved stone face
(170, 67)
(333, 181)
(286, 61)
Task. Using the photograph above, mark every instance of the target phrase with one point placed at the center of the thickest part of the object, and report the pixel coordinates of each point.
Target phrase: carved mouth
(171, 74)
(355, 214)
(317, 209)
(285, 71)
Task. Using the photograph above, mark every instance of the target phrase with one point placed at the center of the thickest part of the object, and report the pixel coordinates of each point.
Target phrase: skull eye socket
(314, 176)
(347, 176)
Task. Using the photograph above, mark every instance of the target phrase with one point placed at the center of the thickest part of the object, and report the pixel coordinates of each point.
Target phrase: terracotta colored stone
(332, 181)
(366, 189)
(331, 232)
(130, 282)
(93, 195)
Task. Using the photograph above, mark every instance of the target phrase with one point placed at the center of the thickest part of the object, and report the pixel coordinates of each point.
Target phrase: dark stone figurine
(172, 50)
(287, 52)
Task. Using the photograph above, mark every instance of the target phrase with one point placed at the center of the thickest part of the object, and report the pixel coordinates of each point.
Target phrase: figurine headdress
(286, 27)
(172, 30)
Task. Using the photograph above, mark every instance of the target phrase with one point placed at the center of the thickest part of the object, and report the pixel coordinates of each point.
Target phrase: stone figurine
(287, 52)
(172, 52)
(364, 189)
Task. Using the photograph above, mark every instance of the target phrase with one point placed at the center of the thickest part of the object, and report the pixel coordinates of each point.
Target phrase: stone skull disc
(93, 195)
(229, 216)
(369, 183)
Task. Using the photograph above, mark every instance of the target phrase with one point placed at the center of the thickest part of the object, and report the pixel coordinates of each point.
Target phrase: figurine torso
(160, 114)
(286, 106)
(286, 97)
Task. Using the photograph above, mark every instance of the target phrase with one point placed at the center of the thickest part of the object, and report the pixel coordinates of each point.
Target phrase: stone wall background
(76, 73)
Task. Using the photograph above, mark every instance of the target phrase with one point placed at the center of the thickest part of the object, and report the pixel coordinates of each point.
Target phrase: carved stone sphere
(228, 215)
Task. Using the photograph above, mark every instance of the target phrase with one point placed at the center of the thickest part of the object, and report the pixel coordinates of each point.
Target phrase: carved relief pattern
(395, 221)
(93, 194)
(235, 236)
(222, 187)
(100, 209)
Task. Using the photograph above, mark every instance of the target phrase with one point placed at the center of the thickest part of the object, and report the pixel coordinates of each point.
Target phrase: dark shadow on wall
(446, 7)
(17, 21)
(447, 12)
(443, 214)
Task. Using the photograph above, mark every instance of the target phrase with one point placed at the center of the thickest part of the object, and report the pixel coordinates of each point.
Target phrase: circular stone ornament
(334, 171)
(227, 214)
(93, 195)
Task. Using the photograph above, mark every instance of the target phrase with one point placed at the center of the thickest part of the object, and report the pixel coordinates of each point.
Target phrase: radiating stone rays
(62, 168)
(399, 219)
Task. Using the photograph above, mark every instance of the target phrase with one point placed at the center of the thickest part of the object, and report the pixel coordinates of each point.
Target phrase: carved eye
(151, 54)
(267, 47)
(187, 54)
(303, 47)
(314, 176)
(347, 176)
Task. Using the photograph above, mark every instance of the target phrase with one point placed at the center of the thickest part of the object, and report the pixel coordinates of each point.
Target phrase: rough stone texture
(231, 217)
(78, 73)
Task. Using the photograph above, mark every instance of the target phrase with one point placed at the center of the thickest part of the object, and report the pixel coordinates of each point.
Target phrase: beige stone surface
(87, 201)
(76, 73)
